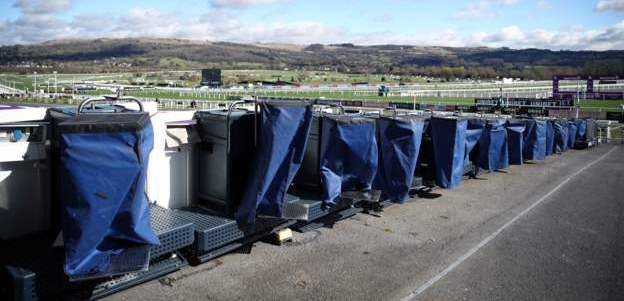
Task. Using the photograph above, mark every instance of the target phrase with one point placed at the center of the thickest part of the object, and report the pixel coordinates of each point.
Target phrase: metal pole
(55, 87)
(35, 84)
(578, 98)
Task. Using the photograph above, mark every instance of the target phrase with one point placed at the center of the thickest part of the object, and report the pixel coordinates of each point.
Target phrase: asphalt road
(570, 248)
(552, 230)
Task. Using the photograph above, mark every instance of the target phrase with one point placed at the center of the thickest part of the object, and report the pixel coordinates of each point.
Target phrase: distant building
(508, 81)
(279, 83)
(211, 78)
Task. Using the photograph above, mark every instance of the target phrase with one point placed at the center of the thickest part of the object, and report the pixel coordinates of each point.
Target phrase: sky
(549, 24)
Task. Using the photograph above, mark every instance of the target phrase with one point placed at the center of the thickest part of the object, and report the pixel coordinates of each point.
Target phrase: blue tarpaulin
(493, 152)
(581, 127)
(106, 221)
(473, 156)
(550, 137)
(572, 130)
(515, 141)
(281, 144)
(560, 128)
(399, 141)
(452, 144)
(534, 140)
(473, 135)
(348, 155)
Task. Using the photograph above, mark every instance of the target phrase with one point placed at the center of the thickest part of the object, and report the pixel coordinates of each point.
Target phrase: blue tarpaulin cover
(473, 135)
(550, 137)
(515, 141)
(106, 221)
(581, 127)
(560, 128)
(399, 141)
(348, 155)
(534, 140)
(473, 142)
(452, 143)
(493, 152)
(572, 130)
(282, 139)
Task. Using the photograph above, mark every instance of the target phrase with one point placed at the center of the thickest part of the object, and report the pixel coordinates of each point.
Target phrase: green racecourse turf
(25, 82)
(589, 105)
(586, 105)
(21, 82)
(327, 95)
(603, 104)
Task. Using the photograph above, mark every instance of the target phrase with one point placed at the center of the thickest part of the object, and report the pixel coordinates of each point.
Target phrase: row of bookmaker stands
(116, 196)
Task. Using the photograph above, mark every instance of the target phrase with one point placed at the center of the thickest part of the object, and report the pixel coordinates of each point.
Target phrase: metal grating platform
(173, 230)
(327, 220)
(265, 227)
(211, 231)
(356, 196)
(304, 210)
(216, 235)
(316, 210)
(25, 282)
(307, 206)
(295, 209)
(131, 259)
(156, 270)
(37, 266)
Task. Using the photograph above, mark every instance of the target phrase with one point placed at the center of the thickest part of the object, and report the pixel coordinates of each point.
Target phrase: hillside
(105, 55)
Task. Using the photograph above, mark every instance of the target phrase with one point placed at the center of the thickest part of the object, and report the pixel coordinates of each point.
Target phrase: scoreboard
(211, 77)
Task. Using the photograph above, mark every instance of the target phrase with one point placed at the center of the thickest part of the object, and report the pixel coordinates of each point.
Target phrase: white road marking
(485, 241)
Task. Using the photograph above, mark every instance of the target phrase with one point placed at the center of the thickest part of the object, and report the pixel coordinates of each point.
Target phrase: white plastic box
(172, 177)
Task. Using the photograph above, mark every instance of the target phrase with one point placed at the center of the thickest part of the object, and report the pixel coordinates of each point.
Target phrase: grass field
(605, 104)
(191, 78)
(587, 105)
(328, 95)
(611, 105)
(323, 77)
(18, 81)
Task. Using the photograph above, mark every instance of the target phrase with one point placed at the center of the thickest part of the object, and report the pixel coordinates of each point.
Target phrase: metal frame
(156, 270)
(91, 101)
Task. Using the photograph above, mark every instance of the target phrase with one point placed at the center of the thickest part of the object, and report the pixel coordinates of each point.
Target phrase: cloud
(475, 10)
(606, 5)
(505, 35)
(241, 3)
(481, 9)
(42, 6)
(227, 25)
(217, 25)
(571, 38)
(32, 28)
